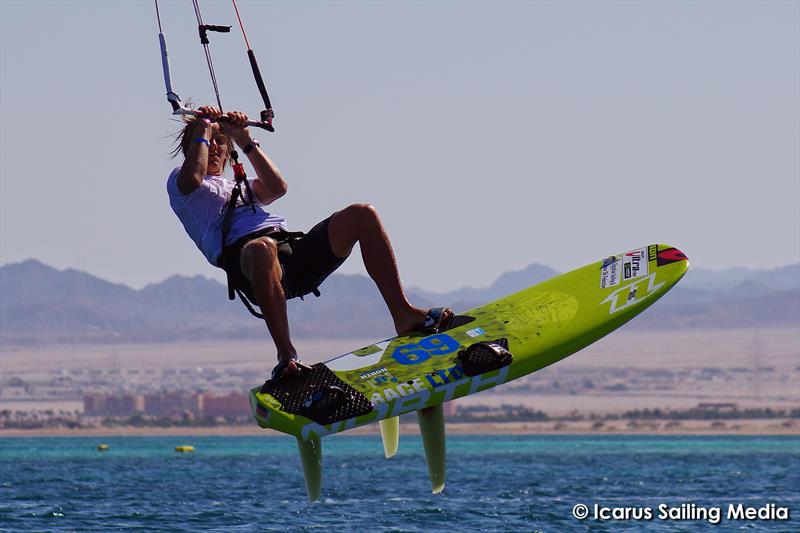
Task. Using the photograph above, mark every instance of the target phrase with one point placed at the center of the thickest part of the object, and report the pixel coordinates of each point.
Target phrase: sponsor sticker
(634, 264)
(373, 373)
(477, 332)
(609, 272)
(379, 376)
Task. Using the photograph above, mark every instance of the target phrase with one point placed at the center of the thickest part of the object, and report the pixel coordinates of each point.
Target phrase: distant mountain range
(42, 305)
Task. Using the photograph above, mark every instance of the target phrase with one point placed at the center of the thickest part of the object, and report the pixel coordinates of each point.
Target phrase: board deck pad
(455, 321)
(293, 393)
(542, 324)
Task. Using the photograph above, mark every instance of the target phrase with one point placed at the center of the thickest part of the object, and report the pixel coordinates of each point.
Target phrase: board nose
(680, 254)
(670, 254)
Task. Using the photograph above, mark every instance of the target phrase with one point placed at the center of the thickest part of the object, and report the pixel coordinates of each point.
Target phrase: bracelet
(204, 141)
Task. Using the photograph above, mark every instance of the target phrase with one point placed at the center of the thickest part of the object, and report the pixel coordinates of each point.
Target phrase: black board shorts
(306, 261)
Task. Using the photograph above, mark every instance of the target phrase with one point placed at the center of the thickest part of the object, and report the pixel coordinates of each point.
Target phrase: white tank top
(201, 213)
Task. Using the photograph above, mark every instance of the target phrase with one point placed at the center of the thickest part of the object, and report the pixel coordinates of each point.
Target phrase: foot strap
(322, 402)
(484, 356)
(434, 318)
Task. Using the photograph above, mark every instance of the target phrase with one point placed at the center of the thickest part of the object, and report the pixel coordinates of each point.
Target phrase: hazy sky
(488, 135)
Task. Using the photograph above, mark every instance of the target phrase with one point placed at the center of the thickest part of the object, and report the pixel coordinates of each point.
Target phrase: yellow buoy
(184, 449)
(102, 447)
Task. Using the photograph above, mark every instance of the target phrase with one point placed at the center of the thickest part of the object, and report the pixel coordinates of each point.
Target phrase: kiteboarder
(263, 260)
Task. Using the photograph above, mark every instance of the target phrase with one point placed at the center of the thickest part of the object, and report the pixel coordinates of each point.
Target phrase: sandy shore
(617, 427)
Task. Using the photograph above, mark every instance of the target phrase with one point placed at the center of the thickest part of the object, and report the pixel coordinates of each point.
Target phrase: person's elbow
(267, 195)
(277, 191)
(282, 189)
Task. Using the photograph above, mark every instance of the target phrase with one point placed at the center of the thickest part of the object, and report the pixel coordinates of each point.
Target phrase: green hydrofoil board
(540, 325)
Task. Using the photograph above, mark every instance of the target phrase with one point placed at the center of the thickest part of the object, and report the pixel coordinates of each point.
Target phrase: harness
(285, 240)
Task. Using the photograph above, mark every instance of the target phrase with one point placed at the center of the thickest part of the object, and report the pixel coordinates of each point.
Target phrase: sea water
(494, 483)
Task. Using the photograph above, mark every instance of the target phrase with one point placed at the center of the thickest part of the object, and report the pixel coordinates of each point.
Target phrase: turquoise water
(494, 483)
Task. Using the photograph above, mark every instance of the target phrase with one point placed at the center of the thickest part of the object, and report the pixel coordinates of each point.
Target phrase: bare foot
(290, 370)
(410, 320)
(291, 367)
(414, 320)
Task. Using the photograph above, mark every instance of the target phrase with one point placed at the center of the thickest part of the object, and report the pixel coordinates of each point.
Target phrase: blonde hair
(184, 141)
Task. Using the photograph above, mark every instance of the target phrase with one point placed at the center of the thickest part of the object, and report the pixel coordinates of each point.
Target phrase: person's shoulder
(172, 182)
(173, 175)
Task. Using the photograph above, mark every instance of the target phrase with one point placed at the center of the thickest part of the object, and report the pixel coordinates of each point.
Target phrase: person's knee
(259, 256)
(362, 214)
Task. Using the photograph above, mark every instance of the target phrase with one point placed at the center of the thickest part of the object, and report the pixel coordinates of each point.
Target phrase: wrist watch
(252, 144)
